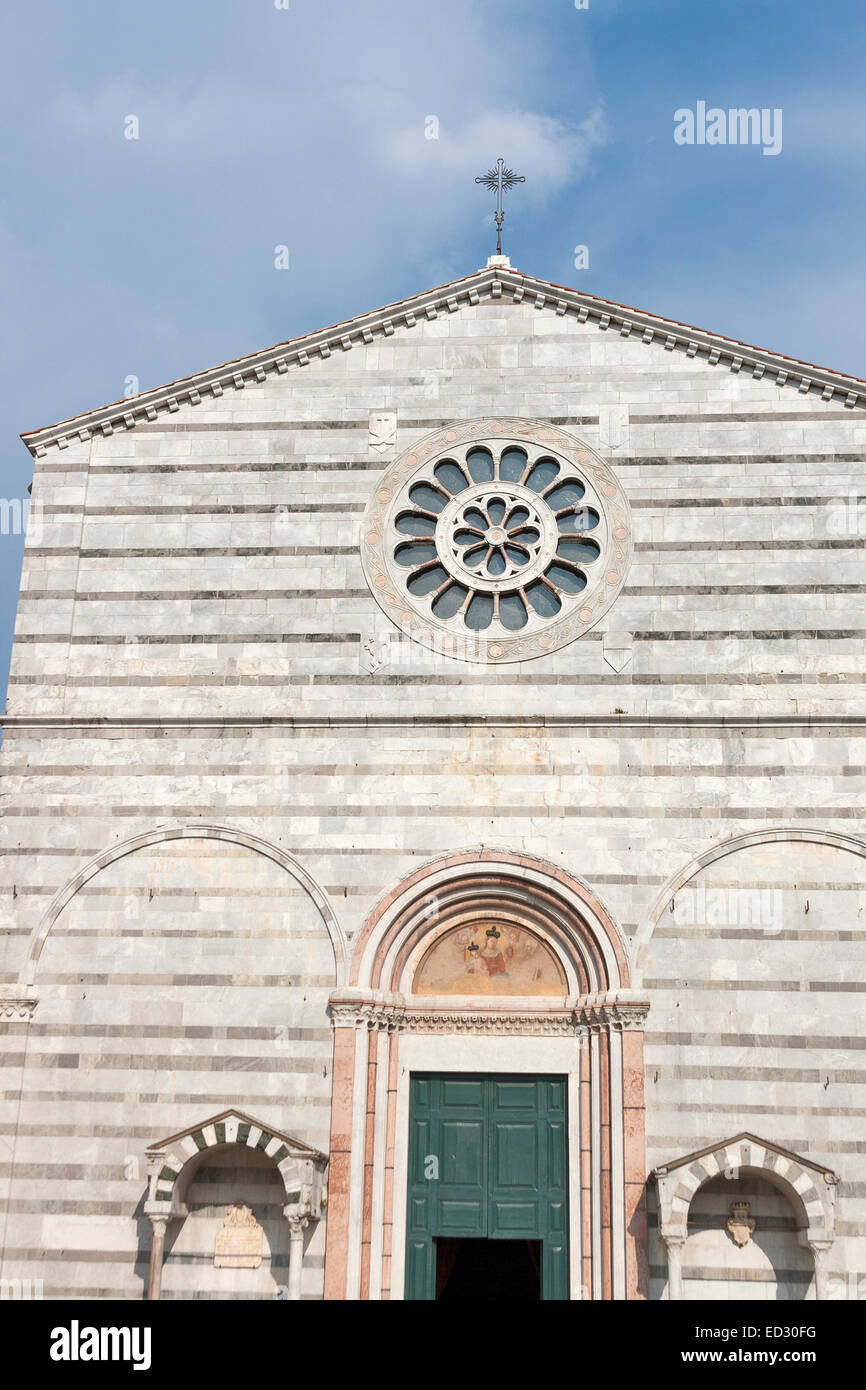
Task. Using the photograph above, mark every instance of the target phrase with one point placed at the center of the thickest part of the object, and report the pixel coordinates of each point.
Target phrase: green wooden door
(488, 1159)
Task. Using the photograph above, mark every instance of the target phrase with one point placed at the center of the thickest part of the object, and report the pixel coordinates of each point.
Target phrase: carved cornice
(393, 1014)
(616, 1017)
(464, 1021)
(297, 353)
(19, 1008)
(369, 1014)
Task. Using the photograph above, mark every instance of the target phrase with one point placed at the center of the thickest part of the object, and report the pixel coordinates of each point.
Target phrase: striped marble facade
(219, 758)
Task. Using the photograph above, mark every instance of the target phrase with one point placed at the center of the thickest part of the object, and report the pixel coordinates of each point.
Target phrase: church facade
(433, 839)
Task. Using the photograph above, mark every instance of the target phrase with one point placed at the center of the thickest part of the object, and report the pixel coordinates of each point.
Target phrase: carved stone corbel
(17, 1008)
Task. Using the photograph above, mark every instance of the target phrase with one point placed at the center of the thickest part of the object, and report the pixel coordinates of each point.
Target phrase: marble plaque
(238, 1242)
(383, 430)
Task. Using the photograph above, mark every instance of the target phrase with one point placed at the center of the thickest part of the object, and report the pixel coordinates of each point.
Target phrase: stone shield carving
(740, 1224)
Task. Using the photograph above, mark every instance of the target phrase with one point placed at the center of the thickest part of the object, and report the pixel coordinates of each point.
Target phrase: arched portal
(488, 966)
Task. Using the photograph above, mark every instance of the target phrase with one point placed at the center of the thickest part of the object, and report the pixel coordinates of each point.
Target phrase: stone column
(673, 1243)
(297, 1226)
(820, 1250)
(157, 1255)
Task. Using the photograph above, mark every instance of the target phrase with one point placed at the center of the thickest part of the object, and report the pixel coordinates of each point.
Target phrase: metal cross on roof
(497, 180)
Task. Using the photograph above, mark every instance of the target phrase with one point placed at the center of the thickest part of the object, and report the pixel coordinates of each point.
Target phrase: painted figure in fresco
(491, 958)
(469, 948)
(491, 953)
(519, 945)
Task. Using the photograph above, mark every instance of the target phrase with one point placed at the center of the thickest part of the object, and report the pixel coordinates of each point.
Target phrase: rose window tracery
(520, 536)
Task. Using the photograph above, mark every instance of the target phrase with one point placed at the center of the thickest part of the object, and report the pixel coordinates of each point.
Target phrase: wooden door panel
(489, 1160)
(465, 1094)
(462, 1153)
(515, 1155)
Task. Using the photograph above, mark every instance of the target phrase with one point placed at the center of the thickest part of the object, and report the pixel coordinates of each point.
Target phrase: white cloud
(546, 150)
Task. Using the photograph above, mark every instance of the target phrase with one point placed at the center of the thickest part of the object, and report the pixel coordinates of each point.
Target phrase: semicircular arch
(282, 857)
(693, 867)
(547, 900)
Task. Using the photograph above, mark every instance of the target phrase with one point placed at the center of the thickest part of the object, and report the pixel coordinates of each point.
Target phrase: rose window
(520, 540)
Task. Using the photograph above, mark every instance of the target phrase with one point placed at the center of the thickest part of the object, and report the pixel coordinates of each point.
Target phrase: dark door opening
(469, 1271)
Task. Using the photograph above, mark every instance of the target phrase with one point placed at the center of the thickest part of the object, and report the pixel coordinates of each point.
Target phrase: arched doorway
(488, 968)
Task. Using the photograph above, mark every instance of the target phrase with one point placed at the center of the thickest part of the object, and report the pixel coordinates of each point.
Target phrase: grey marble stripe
(758, 1040)
(678, 1143)
(764, 1075)
(377, 810)
(719, 546)
(245, 1100)
(185, 467)
(814, 634)
(164, 1032)
(121, 1138)
(555, 765)
(183, 508)
(200, 1062)
(118, 728)
(500, 678)
(132, 509)
(768, 1112)
(786, 986)
(291, 591)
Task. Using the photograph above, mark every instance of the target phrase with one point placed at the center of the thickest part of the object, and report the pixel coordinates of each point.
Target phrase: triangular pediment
(503, 284)
(744, 1137)
(234, 1120)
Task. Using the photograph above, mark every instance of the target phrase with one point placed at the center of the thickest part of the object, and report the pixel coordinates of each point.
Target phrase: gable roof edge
(296, 353)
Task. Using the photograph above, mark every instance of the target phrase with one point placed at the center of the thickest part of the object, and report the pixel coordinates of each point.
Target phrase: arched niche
(232, 1176)
(746, 1172)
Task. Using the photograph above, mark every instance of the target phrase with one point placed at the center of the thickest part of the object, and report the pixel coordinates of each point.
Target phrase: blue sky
(305, 127)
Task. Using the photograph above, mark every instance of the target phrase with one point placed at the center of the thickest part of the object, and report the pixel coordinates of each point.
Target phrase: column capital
(819, 1247)
(370, 1009)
